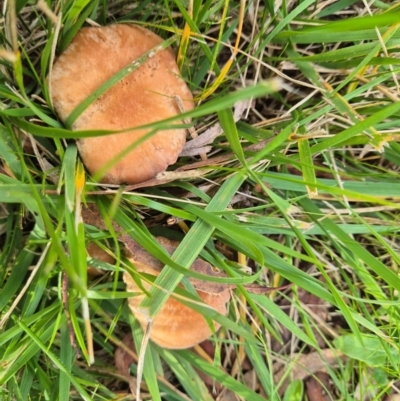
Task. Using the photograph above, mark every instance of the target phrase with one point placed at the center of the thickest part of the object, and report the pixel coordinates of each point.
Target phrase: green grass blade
(229, 127)
(223, 378)
(190, 247)
(283, 318)
(307, 167)
(55, 360)
(66, 359)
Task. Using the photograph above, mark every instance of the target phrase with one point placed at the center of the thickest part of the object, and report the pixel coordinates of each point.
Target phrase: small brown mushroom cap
(176, 326)
(142, 97)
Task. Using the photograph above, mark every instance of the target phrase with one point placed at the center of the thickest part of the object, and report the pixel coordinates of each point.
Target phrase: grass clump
(299, 191)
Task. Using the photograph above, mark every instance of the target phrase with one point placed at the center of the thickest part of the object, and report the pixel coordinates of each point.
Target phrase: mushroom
(144, 96)
(176, 326)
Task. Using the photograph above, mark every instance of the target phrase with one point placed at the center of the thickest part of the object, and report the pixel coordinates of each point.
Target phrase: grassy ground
(313, 208)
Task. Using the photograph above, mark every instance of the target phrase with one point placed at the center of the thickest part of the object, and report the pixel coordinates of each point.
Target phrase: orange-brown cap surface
(142, 97)
(176, 326)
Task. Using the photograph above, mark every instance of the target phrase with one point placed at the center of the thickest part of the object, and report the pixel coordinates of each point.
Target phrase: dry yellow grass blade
(185, 38)
(225, 69)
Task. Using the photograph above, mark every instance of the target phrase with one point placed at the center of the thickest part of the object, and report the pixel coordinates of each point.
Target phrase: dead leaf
(227, 395)
(196, 151)
(304, 365)
(123, 359)
(250, 380)
(91, 215)
(209, 135)
(241, 107)
(319, 387)
(220, 159)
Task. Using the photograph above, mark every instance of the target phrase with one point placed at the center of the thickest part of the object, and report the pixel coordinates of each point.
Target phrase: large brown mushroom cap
(176, 326)
(142, 97)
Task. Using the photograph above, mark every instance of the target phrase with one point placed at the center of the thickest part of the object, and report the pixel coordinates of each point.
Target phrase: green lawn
(296, 198)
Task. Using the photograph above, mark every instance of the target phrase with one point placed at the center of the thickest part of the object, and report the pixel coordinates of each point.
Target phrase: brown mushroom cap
(142, 97)
(176, 326)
